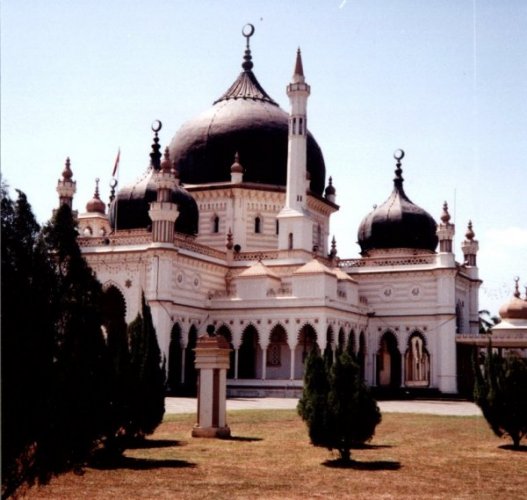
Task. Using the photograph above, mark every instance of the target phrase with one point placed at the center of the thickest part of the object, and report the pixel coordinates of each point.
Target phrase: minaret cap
(298, 75)
(67, 174)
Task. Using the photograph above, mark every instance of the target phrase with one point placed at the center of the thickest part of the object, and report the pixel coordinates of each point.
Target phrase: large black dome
(397, 223)
(129, 209)
(244, 120)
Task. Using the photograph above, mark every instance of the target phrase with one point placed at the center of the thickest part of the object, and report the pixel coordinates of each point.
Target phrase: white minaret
(295, 226)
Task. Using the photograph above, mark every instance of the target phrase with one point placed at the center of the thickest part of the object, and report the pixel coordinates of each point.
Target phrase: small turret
(330, 192)
(470, 247)
(236, 170)
(66, 187)
(445, 231)
(96, 205)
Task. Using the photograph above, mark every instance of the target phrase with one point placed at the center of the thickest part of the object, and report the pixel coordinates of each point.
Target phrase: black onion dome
(398, 223)
(244, 120)
(129, 210)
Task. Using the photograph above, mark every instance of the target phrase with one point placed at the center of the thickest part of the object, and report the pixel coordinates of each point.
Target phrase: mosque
(230, 227)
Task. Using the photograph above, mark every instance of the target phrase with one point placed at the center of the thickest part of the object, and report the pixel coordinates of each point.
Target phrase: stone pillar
(212, 361)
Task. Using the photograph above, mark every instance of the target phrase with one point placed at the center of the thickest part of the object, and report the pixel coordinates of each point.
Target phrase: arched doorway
(191, 374)
(278, 354)
(307, 340)
(388, 362)
(175, 351)
(328, 350)
(417, 362)
(351, 344)
(224, 331)
(113, 314)
(247, 356)
(341, 342)
(361, 355)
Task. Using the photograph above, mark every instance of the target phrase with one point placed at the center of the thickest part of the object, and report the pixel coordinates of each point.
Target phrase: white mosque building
(231, 228)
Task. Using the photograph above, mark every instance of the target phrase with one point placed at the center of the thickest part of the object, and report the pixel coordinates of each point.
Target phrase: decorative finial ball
(248, 30)
(398, 154)
(156, 126)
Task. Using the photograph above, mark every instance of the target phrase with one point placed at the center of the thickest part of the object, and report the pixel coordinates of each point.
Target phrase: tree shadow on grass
(155, 443)
(366, 446)
(242, 438)
(140, 464)
(354, 464)
(510, 447)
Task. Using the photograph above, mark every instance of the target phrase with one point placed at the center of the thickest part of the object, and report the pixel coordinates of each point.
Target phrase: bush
(501, 393)
(336, 404)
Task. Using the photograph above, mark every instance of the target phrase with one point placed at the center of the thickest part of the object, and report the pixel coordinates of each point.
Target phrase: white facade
(260, 270)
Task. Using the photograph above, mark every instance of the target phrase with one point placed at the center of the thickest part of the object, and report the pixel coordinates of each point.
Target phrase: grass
(411, 456)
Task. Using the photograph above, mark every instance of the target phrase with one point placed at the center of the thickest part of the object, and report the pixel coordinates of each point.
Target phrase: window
(277, 228)
(216, 224)
(257, 225)
(290, 243)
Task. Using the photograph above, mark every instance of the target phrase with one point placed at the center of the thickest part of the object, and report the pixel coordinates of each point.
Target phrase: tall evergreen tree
(81, 368)
(336, 405)
(27, 342)
(147, 376)
(500, 391)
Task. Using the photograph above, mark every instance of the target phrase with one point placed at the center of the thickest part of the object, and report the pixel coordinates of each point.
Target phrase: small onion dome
(516, 308)
(236, 166)
(470, 232)
(244, 119)
(398, 222)
(67, 174)
(129, 209)
(166, 164)
(330, 190)
(96, 204)
(445, 216)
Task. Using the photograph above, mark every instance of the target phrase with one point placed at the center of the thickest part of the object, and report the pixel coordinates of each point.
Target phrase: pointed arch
(417, 361)
(388, 361)
(361, 354)
(226, 333)
(341, 341)
(330, 342)
(175, 352)
(248, 353)
(306, 342)
(191, 374)
(278, 354)
(351, 343)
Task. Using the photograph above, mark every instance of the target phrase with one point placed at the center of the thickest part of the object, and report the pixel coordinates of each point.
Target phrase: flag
(116, 162)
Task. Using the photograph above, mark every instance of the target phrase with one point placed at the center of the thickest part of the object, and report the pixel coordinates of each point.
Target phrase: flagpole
(113, 184)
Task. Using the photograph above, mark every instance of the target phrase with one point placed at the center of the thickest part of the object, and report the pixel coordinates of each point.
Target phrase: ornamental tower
(66, 187)
(296, 230)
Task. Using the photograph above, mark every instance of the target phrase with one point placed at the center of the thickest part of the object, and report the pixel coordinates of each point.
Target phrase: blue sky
(445, 80)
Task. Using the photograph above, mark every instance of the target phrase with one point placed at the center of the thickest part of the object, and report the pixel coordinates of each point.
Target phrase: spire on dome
(155, 155)
(166, 165)
(96, 204)
(517, 287)
(246, 86)
(236, 166)
(398, 180)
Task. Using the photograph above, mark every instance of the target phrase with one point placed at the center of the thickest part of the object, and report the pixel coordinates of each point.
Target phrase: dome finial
(67, 174)
(517, 287)
(155, 155)
(470, 232)
(398, 155)
(247, 32)
(445, 216)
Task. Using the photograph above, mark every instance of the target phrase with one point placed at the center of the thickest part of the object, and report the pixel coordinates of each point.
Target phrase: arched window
(257, 225)
(417, 362)
(290, 241)
(216, 224)
(388, 362)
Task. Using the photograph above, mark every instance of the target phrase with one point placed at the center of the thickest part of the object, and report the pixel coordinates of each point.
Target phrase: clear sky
(445, 80)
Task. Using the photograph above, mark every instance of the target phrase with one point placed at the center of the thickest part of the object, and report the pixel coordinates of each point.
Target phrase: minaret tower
(163, 212)
(66, 187)
(470, 247)
(296, 230)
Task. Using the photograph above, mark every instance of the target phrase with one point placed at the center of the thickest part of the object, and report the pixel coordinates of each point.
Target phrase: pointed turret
(295, 224)
(236, 170)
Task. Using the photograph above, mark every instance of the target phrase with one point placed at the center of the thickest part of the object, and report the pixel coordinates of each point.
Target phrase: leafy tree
(336, 405)
(501, 392)
(147, 376)
(487, 321)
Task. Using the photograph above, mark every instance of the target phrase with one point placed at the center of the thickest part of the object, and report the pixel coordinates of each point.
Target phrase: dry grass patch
(411, 456)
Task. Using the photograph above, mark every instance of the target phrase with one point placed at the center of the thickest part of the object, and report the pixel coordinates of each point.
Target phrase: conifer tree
(336, 405)
(500, 391)
(147, 376)
(81, 369)
(27, 343)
